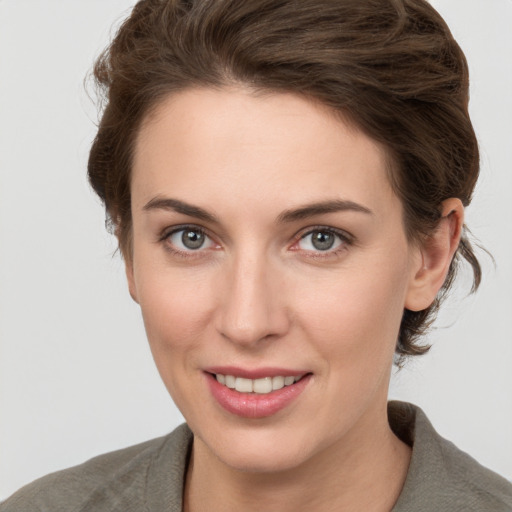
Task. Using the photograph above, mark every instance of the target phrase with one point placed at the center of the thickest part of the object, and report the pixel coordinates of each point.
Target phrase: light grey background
(76, 375)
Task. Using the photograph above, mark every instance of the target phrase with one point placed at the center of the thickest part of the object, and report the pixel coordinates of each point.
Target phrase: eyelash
(166, 235)
(345, 239)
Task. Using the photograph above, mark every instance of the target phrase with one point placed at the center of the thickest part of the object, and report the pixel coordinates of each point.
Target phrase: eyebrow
(292, 215)
(166, 203)
(310, 210)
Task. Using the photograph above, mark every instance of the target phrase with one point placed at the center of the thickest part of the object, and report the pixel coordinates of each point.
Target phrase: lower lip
(254, 405)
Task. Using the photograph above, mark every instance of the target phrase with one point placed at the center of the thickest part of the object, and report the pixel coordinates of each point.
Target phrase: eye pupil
(322, 240)
(192, 239)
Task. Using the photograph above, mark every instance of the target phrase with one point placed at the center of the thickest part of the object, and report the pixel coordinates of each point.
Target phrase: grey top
(149, 477)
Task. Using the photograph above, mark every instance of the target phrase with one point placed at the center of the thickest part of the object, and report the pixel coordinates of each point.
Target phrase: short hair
(390, 67)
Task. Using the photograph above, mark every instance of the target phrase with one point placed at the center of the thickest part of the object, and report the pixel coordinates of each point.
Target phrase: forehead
(234, 145)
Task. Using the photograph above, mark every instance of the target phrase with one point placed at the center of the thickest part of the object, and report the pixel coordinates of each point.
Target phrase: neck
(361, 472)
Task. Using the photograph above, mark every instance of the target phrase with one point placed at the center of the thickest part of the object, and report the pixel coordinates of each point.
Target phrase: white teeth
(243, 385)
(261, 386)
(277, 382)
(230, 381)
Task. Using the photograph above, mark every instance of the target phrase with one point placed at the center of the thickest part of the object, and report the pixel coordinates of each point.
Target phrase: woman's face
(267, 243)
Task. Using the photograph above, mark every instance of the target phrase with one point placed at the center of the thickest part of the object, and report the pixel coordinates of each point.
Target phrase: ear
(435, 256)
(128, 267)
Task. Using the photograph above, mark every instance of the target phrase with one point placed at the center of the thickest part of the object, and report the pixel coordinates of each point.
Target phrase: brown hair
(390, 66)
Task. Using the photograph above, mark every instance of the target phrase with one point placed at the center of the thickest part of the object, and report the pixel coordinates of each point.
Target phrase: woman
(287, 182)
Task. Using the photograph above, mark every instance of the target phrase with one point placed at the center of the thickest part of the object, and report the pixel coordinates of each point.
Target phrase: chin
(258, 452)
(262, 461)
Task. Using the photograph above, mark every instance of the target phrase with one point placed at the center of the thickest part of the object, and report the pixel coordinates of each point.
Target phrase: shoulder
(440, 476)
(123, 480)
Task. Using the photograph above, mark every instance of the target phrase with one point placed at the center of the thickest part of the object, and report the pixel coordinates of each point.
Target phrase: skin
(259, 294)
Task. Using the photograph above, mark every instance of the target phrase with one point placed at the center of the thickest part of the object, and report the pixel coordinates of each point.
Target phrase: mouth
(257, 393)
(261, 386)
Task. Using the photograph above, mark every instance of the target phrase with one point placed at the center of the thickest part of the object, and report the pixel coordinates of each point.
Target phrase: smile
(261, 386)
(269, 391)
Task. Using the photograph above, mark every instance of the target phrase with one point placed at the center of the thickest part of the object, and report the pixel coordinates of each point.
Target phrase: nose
(252, 307)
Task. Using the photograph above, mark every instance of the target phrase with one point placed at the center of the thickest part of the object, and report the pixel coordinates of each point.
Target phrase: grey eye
(320, 240)
(190, 239)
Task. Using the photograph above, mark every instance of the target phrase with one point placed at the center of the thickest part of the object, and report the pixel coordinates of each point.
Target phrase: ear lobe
(128, 267)
(436, 254)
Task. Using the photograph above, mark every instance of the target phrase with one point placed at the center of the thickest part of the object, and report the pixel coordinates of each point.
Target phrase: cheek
(356, 314)
(177, 313)
(176, 307)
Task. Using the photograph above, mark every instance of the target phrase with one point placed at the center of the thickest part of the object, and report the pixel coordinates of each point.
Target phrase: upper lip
(255, 373)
